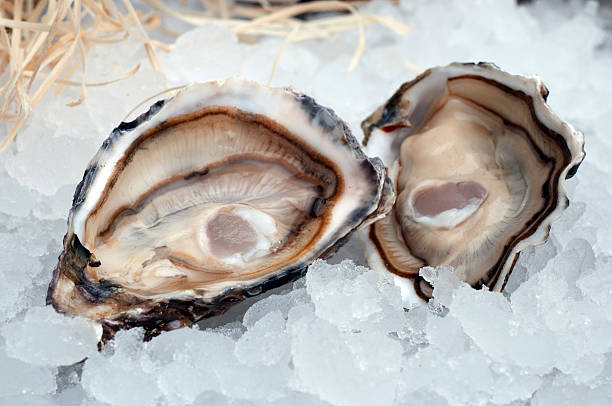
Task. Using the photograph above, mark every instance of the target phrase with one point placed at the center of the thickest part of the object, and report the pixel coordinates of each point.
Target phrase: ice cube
(47, 338)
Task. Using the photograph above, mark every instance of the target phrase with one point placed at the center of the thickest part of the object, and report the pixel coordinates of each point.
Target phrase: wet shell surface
(217, 194)
(478, 161)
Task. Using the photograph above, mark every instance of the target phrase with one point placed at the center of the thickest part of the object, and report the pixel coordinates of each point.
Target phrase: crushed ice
(341, 335)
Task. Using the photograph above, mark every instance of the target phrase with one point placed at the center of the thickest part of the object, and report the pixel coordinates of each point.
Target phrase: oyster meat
(479, 162)
(219, 193)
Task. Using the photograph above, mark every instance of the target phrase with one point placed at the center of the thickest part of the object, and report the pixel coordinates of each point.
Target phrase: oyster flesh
(479, 162)
(219, 193)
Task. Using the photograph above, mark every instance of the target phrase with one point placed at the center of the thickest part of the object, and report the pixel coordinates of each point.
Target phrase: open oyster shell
(219, 193)
(478, 161)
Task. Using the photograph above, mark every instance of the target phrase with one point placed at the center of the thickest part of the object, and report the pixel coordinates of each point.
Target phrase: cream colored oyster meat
(478, 161)
(225, 190)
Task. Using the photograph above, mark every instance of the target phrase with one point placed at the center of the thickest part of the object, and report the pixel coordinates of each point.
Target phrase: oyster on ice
(219, 193)
(478, 161)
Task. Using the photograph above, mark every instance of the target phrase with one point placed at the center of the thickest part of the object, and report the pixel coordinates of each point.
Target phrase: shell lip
(131, 125)
(123, 127)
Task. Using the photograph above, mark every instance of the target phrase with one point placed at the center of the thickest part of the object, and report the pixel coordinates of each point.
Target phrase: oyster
(219, 193)
(479, 162)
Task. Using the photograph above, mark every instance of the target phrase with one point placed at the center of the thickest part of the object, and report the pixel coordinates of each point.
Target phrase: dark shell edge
(83, 186)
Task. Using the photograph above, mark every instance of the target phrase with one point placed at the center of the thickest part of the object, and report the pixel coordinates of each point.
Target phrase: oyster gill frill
(219, 193)
(479, 162)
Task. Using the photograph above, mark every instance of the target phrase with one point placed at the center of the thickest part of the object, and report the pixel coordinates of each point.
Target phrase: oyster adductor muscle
(219, 193)
(478, 161)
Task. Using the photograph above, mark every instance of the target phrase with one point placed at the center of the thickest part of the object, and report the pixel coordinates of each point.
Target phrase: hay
(45, 42)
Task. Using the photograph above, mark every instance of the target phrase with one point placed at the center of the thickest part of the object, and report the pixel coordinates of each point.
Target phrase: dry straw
(45, 42)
